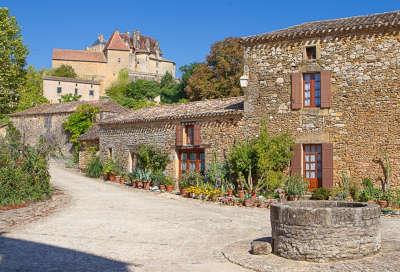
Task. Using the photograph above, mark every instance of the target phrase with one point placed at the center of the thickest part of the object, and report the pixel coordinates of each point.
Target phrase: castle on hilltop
(99, 64)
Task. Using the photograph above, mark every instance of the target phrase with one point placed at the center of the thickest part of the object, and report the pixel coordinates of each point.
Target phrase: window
(59, 90)
(189, 133)
(91, 92)
(313, 164)
(76, 91)
(311, 52)
(47, 122)
(191, 161)
(312, 89)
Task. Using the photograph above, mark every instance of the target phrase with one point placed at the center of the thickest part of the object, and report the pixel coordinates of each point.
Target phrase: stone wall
(363, 120)
(86, 152)
(217, 135)
(323, 231)
(49, 126)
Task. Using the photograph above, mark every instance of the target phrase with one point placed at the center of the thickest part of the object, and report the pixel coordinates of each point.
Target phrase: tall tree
(219, 76)
(31, 94)
(12, 61)
(63, 71)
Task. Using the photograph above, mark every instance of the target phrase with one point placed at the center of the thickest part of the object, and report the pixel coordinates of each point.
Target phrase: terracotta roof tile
(214, 107)
(78, 55)
(328, 27)
(104, 105)
(116, 43)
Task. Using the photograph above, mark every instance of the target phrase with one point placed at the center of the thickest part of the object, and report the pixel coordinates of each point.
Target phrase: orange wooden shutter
(295, 164)
(296, 91)
(326, 93)
(197, 134)
(327, 165)
(179, 135)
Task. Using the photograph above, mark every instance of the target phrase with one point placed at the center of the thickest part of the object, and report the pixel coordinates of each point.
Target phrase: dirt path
(109, 228)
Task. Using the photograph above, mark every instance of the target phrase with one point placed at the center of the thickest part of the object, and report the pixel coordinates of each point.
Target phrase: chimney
(100, 37)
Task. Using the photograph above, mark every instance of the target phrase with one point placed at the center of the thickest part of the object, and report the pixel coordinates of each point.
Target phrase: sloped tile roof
(78, 55)
(105, 105)
(144, 43)
(91, 135)
(204, 108)
(328, 27)
(116, 43)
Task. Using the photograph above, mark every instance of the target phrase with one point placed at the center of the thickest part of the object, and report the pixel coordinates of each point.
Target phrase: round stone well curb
(322, 231)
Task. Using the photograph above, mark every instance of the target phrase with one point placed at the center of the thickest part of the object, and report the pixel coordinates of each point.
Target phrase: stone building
(190, 133)
(334, 85)
(47, 120)
(55, 87)
(102, 61)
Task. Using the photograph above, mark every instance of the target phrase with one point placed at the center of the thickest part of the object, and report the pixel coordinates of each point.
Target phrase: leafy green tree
(12, 62)
(152, 158)
(31, 94)
(141, 93)
(219, 76)
(69, 98)
(63, 71)
(79, 122)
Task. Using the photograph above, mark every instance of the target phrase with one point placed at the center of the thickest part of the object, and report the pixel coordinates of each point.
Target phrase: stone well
(321, 231)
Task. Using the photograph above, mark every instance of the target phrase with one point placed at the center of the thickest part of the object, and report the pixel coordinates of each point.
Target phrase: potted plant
(295, 187)
(384, 198)
(183, 185)
(146, 178)
(229, 189)
(132, 177)
(109, 170)
(248, 201)
(169, 184)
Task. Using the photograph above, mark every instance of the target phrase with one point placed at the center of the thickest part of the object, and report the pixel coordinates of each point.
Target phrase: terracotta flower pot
(112, 177)
(139, 184)
(248, 202)
(134, 184)
(229, 192)
(241, 194)
(253, 196)
(122, 180)
(383, 203)
(146, 185)
(169, 188)
(162, 187)
(118, 179)
(184, 192)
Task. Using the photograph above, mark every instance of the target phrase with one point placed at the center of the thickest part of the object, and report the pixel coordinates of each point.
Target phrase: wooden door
(313, 165)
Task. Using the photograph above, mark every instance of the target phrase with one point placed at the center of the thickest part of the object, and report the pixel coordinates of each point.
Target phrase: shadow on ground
(20, 255)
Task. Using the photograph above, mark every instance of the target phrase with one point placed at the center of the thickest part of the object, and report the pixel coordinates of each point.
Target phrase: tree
(69, 98)
(63, 71)
(79, 122)
(141, 93)
(12, 62)
(219, 76)
(31, 94)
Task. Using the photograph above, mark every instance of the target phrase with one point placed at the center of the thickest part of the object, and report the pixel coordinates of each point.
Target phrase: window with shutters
(312, 90)
(191, 160)
(189, 135)
(311, 52)
(312, 164)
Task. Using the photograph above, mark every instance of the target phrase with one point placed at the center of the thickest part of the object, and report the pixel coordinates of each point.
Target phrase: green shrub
(321, 194)
(94, 168)
(295, 186)
(151, 158)
(24, 172)
(110, 167)
(369, 192)
(191, 178)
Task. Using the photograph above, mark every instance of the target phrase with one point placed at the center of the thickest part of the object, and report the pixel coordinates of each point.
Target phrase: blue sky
(185, 29)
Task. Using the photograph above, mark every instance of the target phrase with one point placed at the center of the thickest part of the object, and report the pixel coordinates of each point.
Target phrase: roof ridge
(323, 21)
